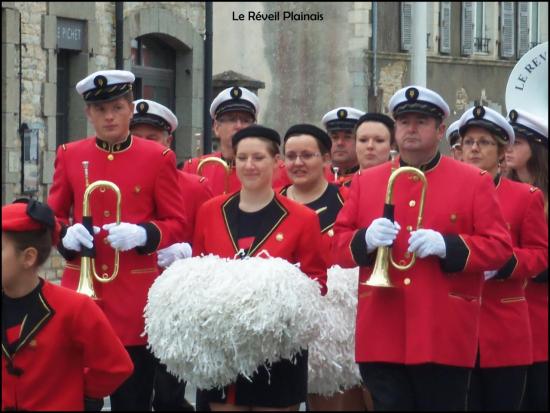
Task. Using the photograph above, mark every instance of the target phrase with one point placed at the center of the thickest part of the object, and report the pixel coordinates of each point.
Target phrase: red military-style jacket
(291, 232)
(215, 174)
(195, 191)
(65, 350)
(146, 174)
(327, 207)
(505, 337)
(431, 315)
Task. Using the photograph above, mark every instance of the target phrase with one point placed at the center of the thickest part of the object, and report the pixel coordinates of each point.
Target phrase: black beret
(376, 117)
(307, 129)
(256, 131)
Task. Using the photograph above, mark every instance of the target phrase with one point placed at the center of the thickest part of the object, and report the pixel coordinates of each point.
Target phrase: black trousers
(416, 387)
(169, 392)
(137, 391)
(536, 392)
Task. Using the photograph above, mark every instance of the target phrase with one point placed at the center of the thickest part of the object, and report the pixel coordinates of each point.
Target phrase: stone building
(47, 47)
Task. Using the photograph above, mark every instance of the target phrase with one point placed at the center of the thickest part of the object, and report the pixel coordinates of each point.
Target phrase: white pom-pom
(331, 357)
(209, 319)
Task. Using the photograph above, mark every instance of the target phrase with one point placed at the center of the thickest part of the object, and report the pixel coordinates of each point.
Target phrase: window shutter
(467, 28)
(445, 27)
(429, 25)
(406, 25)
(506, 29)
(523, 28)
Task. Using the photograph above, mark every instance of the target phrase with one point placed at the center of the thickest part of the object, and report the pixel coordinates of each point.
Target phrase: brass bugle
(380, 276)
(220, 161)
(87, 263)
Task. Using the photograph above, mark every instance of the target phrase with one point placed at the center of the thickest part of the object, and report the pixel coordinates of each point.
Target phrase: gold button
(279, 237)
(331, 233)
(106, 214)
(412, 203)
(402, 262)
(415, 178)
(453, 217)
(104, 267)
(409, 228)
(407, 281)
(110, 157)
(137, 188)
(104, 275)
(102, 189)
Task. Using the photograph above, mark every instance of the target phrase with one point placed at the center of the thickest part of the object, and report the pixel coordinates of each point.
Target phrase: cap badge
(143, 107)
(342, 114)
(100, 81)
(236, 92)
(513, 115)
(412, 93)
(479, 112)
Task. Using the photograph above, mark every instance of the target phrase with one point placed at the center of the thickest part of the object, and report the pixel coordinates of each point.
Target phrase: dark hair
(380, 118)
(272, 147)
(40, 239)
(322, 148)
(537, 166)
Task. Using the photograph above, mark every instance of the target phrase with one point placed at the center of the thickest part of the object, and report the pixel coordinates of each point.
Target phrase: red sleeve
(60, 198)
(490, 245)
(309, 254)
(349, 248)
(190, 166)
(532, 253)
(170, 218)
(107, 363)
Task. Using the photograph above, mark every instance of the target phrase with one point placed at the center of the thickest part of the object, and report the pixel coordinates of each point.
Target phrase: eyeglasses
(482, 143)
(305, 157)
(234, 118)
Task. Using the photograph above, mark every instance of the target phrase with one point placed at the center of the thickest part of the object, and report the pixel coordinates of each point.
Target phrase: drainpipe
(207, 124)
(418, 50)
(119, 34)
(374, 46)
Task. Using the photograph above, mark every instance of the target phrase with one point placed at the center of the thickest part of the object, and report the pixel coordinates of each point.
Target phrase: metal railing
(481, 44)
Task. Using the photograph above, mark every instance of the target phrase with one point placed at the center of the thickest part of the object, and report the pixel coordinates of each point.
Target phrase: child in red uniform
(57, 346)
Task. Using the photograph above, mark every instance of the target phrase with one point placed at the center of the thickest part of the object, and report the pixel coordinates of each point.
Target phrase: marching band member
(504, 351)
(233, 109)
(453, 139)
(306, 152)
(152, 217)
(59, 352)
(339, 124)
(252, 220)
(416, 342)
(156, 122)
(527, 160)
(374, 139)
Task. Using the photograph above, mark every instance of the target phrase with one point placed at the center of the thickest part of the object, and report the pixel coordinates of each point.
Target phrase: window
(445, 27)
(507, 29)
(534, 34)
(63, 90)
(481, 42)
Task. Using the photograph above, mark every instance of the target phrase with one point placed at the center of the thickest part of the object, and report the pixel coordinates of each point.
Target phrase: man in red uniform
(58, 349)
(233, 109)
(340, 125)
(151, 214)
(156, 122)
(416, 342)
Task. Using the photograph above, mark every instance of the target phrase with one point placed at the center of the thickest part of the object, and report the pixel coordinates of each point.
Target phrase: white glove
(168, 255)
(77, 235)
(489, 274)
(424, 242)
(125, 236)
(381, 233)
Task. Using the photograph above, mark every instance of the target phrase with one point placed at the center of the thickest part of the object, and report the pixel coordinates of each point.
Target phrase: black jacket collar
(117, 147)
(427, 166)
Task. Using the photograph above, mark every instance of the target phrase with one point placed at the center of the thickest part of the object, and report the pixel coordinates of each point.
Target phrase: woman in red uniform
(527, 162)
(504, 348)
(307, 153)
(375, 139)
(252, 220)
(59, 352)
